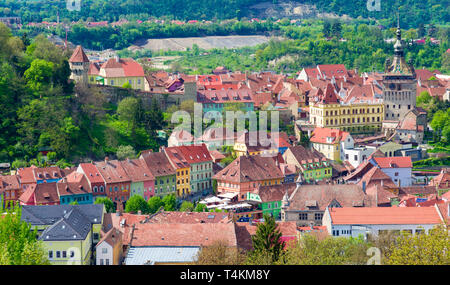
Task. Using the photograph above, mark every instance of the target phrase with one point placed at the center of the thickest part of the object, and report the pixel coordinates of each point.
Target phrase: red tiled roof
(201, 234)
(188, 218)
(125, 227)
(320, 135)
(27, 197)
(329, 96)
(112, 171)
(92, 173)
(26, 175)
(94, 69)
(158, 163)
(137, 170)
(275, 192)
(251, 168)
(360, 94)
(377, 176)
(112, 237)
(44, 173)
(336, 70)
(385, 216)
(73, 184)
(394, 162)
(347, 195)
(79, 55)
(243, 95)
(126, 67)
(9, 182)
(46, 193)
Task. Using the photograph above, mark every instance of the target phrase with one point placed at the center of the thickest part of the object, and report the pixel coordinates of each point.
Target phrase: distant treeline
(412, 12)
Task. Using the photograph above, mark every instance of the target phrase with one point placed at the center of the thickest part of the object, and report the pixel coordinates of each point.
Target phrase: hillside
(412, 12)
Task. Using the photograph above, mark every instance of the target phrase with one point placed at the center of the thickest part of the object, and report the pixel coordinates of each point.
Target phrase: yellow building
(117, 72)
(182, 168)
(359, 112)
(261, 145)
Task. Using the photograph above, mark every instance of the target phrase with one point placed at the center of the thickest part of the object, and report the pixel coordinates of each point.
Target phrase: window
(101, 261)
(112, 82)
(58, 254)
(104, 250)
(50, 254)
(303, 216)
(64, 254)
(107, 261)
(72, 253)
(318, 216)
(396, 174)
(95, 236)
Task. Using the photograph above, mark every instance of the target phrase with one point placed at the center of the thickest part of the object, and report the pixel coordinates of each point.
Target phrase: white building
(353, 221)
(109, 249)
(399, 169)
(356, 155)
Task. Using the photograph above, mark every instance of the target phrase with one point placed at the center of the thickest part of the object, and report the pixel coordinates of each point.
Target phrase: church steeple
(399, 66)
(398, 47)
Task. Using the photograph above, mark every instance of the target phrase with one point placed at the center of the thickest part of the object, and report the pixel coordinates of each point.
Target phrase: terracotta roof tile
(394, 162)
(201, 234)
(251, 168)
(79, 55)
(385, 216)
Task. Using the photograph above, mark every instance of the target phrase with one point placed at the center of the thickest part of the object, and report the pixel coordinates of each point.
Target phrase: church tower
(79, 65)
(399, 83)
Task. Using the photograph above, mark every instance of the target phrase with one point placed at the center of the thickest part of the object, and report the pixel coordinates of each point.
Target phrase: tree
(267, 239)
(18, 242)
(430, 248)
(137, 203)
(127, 85)
(186, 206)
(154, 204)
(219, 253)
(39, 75)
(311, 250)
(326, 29)
(75, 202)
(109, 205)
(128, 110)
(170, 203)
(125, 151)
(201, 208)
(424, 98)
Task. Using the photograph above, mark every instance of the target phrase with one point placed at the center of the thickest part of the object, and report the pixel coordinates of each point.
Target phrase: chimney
(139, 212)
(106, 159)
(117, 213)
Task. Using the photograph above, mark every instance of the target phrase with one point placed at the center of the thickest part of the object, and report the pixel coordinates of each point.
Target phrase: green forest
(38, 109)
(413, 12)
(363, 48)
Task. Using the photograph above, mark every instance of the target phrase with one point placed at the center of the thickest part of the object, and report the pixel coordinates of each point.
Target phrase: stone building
(399, 81)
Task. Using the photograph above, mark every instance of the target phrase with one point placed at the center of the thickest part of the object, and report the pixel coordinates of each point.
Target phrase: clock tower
(399, 84)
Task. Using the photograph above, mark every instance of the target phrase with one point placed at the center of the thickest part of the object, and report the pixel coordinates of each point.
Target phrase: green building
(311, 163)
(270, 198)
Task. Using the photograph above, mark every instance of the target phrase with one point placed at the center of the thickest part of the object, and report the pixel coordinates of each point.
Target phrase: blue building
(74, 188)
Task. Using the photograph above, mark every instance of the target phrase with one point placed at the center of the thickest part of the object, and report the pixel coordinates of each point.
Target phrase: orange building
(247, 173)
